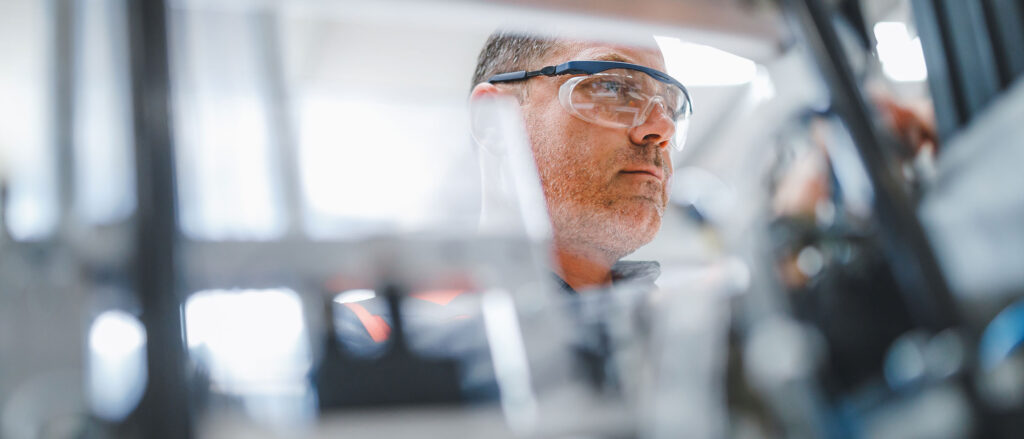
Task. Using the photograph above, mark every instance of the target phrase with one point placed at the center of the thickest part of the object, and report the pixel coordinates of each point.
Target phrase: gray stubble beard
(582, 219)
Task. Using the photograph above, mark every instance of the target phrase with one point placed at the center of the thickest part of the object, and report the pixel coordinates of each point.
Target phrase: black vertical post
(962, 63)
(969, 50)
(950, 112)
(163, 411)
(64, 30)
(1006, 23)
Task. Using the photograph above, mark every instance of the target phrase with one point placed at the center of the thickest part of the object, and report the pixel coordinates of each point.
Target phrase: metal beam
(1006, 24)
(963, 72)
(969, 51)
(64, 66)
(950, 113)
(163, 411)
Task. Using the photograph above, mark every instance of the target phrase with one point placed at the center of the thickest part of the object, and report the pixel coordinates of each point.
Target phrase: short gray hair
(508, 51)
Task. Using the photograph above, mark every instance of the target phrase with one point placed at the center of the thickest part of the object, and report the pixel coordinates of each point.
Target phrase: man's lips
(654, 171)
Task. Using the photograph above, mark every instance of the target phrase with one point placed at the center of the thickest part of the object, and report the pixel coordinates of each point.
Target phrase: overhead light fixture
(353, 296)
(697, 65)
(117, 372)
(901, 57)
(252, 341)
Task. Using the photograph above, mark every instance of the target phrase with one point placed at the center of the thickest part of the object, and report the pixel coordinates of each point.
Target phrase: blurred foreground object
(884, 337)
(198, 198)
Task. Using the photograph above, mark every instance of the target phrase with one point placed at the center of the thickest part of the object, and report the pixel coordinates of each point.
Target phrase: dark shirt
(596, 312)
(452, 326)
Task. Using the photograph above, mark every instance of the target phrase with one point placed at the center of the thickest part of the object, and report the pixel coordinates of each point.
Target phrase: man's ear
(488, 106)
(486, 90)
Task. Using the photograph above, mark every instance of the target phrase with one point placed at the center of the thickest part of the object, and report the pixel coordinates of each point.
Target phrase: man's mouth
(653, 171)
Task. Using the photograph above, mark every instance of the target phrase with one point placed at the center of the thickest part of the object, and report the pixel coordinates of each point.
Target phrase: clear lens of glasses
(623, 98)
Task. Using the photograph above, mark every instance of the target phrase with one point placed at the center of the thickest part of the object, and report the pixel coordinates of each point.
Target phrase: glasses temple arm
(524, 74)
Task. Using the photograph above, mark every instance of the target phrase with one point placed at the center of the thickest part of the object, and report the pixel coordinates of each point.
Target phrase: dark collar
(635, 274)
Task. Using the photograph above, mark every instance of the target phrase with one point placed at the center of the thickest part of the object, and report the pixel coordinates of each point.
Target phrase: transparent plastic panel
(103, 144)
(116, 364)
(385, 146)
(253, 345)
(225, 168)
(27, 161)
(383, 166)
(511, 199)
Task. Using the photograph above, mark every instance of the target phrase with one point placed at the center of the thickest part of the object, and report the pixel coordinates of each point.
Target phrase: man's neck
(582, 270)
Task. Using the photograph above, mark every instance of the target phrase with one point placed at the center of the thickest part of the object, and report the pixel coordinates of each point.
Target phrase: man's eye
(612, 86)
(672, 103)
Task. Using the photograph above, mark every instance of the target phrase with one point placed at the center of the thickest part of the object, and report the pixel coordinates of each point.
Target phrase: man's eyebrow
(614, 57)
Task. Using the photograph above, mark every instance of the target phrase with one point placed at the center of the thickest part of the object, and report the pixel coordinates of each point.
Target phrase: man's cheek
(666, 192)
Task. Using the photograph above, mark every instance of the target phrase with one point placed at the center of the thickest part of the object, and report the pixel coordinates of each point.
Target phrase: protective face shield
(617, 94)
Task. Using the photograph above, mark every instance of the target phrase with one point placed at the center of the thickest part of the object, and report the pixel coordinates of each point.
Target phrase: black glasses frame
(590, 68)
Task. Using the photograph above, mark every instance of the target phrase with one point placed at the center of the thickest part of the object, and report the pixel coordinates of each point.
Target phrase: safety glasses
(617, 94)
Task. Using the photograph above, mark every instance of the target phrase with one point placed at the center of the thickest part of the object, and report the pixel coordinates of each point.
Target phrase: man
(600, 128)
(606, 183)
(600, 119)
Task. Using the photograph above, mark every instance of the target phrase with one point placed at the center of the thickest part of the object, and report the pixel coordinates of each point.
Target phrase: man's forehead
(600, 51)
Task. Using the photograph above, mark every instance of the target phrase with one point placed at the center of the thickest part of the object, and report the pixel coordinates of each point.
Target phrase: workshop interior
(193, 192)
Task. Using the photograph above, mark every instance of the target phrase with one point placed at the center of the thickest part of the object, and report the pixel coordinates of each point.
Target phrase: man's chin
(635, 231)
(642, 209)
(618, 228)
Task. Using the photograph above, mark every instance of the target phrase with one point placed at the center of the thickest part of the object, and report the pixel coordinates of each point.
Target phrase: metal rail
(64, 70)
(163, 411)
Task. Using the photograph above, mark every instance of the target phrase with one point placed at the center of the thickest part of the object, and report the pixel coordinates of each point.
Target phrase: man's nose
(657, 129)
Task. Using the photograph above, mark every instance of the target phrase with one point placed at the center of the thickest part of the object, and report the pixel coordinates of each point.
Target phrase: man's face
(606, 188)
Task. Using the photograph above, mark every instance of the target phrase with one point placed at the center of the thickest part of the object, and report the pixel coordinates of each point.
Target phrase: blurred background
(196, 197)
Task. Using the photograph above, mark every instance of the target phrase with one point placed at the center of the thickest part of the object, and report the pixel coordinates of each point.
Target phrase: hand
(914, 127)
